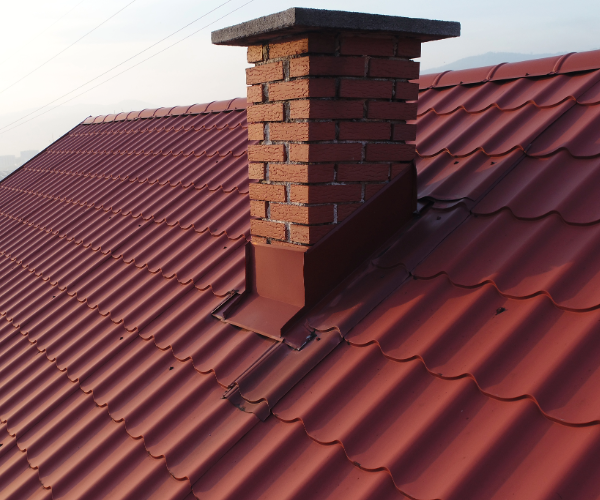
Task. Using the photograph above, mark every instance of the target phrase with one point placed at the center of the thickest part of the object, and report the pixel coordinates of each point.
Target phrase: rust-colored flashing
(572, 62)
(195, 109)
(283, 282)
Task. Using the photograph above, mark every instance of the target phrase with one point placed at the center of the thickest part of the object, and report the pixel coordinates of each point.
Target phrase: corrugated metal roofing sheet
(114, 250)
(469, 369)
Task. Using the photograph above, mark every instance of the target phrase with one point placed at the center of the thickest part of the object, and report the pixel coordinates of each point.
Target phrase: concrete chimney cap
(300, 20)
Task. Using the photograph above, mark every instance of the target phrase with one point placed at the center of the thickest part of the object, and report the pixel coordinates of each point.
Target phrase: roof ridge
(571, 62)
(194, 109)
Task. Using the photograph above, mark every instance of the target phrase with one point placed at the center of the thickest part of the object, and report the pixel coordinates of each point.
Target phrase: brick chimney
(329, 106)
(329, 98)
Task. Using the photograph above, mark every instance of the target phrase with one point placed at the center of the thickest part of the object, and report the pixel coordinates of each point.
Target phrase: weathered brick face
(330, 111)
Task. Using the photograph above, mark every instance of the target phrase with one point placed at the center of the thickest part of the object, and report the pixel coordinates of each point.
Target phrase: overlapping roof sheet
(470, 363)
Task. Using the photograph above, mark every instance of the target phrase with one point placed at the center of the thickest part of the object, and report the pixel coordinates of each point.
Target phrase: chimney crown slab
(300, 20)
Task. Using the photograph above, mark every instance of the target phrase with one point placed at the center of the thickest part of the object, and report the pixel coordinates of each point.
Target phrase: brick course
(265, 73)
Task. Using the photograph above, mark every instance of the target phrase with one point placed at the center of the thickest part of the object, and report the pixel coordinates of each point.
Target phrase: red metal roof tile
(577, 132)
(492, 131)
(523, 258)
(536, 67)
(581, 61)
(17, 479)
(511, 348)
(567, 63)
(445, 177)
(399, 418)
(540, 186)
(543, 92)
(278, 460)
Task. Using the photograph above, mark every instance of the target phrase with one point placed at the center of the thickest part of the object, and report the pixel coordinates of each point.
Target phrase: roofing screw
(139, 225)
(121, 338)
(455, 162)
(170, 368)
(224, 248)
(500, 310)
(493, 163)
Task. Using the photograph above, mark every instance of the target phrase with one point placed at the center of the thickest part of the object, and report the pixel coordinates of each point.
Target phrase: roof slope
(470, 365)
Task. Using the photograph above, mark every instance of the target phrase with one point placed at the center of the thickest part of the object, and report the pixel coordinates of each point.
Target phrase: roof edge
(194, 109)
(571, 62)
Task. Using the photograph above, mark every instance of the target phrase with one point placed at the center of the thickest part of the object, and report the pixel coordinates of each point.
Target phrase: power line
(65, 49)
(118, 65)
(42, 32)
(2, 131)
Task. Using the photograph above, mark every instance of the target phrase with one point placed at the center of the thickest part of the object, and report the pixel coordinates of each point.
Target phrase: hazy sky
(196, 71)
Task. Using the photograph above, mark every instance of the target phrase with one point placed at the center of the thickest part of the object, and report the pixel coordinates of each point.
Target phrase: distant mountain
(488, 59)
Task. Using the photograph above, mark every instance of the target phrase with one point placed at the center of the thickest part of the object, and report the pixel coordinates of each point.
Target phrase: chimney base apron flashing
(283, 283)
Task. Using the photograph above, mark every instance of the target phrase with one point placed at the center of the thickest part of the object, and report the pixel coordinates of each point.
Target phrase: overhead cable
(124, 62)
(65, 49)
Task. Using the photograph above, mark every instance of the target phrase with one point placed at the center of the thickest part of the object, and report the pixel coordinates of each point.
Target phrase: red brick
(316, 109)
(256, 171)
(327, 66)
(302, 214)
(258, 239)
(393, 68)
(268, 229)
(261, 153)
(265, 113)
(408, 47)
(256, 132)
(325, 194)
(363, 172)
(304, 44)
(407, 91)
(258, 208)
(301, 173)
(277, 243)
(302, 89)
(265, 73)
(267, 192)
(325, 152)
(371, 189)
(309, 234)
(390, 152)
(404, 132)
(392, 110)
(345, 210)
(313, 131)
(255, 93)
(367, 46)
(365, 131)
(399, 168)
(374, 89)
(255, 53)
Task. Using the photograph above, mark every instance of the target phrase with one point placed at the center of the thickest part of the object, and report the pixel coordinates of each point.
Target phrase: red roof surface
(470, 365)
